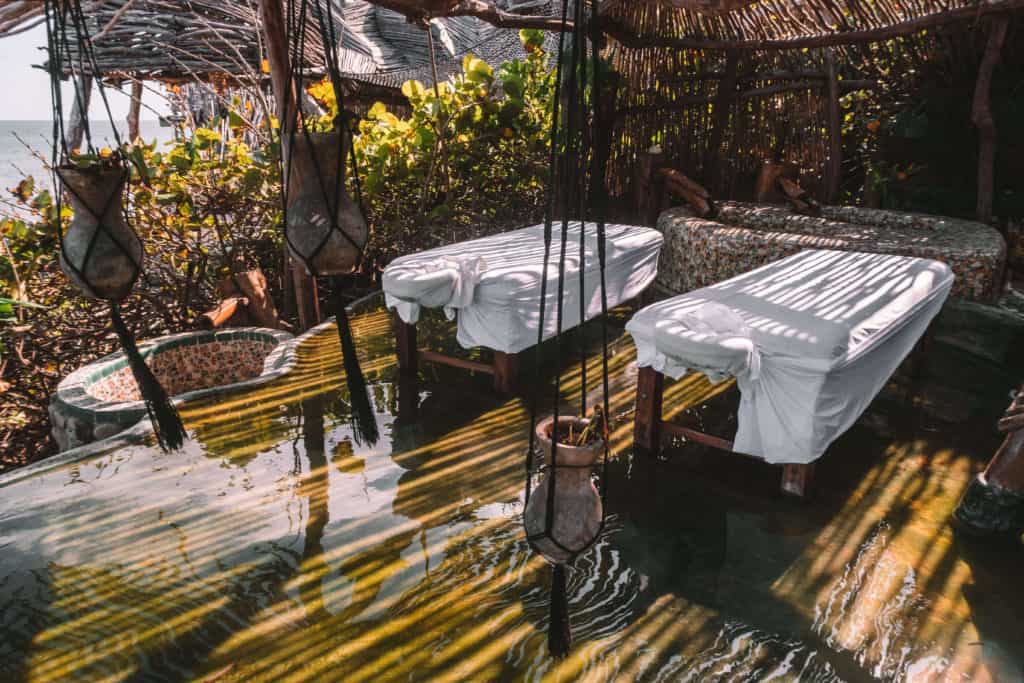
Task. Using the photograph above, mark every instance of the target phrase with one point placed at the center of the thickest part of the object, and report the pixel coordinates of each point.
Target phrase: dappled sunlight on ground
(275, 547)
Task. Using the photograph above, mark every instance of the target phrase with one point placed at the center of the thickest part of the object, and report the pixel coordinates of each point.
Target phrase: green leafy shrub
(470, 158)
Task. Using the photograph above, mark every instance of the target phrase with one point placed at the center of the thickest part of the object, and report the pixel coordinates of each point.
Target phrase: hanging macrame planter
(564, 512)
(325, 230)
(576, 516)
(317, 201)
(99, 252)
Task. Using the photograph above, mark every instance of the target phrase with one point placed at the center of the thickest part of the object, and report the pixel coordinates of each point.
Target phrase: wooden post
(797, 478)
(835, 131)
(981, 116)
(405, 345)
(506, 367)
(647, 190)
(719, 120)
(650, 387)
(272, 17)
(79, 112)
(134, 108)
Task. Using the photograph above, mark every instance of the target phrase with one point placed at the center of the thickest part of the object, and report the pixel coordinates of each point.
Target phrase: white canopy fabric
(811, 339)
(494, 282)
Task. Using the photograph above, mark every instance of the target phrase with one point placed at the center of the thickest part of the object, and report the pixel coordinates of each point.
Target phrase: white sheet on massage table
(506, 302)
(830, 327)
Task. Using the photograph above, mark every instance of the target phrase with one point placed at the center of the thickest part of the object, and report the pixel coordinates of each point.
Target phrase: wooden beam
(687, 101)
(835, 131)
(981, 117)
(697, 436)
(463, 363)
(421, 13)
(625, 36)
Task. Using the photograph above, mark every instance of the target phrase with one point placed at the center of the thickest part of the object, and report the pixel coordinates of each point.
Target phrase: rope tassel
(364, 420)
(559, 630)
(170, 432)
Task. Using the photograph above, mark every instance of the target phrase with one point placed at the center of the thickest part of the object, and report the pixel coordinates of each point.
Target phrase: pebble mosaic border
(698, 252)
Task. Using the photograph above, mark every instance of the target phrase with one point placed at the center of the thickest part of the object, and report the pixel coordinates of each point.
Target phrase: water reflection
(277, 548)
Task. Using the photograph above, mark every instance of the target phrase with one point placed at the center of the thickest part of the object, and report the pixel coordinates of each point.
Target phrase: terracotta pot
(316, 185)
(110, 268)
(577, 509)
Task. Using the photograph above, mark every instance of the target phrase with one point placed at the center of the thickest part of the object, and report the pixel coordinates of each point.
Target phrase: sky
(26, 91)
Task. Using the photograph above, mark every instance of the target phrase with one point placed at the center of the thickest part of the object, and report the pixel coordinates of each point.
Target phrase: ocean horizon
(23, 142)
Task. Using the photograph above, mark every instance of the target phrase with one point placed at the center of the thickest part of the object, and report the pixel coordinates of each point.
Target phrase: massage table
(492, 285)
(810, 340)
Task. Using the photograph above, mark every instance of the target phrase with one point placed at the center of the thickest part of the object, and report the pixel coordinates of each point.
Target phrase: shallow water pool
(276, 547)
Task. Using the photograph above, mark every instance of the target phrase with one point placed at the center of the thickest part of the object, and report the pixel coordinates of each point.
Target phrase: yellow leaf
(265, 66)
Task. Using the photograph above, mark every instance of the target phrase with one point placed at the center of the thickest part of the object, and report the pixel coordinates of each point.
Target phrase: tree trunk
(133, 111)
(719, 121)
(835, 132)
(981, 116)
(80, 112)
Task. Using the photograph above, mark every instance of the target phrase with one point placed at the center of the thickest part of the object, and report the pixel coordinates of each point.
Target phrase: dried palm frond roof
(174, 40)
(782, 24)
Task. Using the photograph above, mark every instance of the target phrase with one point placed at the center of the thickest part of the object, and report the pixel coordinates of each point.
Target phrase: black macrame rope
(569, 146)
(364, 422)
(167, 426)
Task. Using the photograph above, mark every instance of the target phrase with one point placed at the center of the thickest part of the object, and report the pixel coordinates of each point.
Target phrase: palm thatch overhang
(203, 40)
(721, 85)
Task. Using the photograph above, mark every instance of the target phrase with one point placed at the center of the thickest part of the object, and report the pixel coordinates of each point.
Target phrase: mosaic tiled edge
(698, 252)
(182, 369)
(99, 399)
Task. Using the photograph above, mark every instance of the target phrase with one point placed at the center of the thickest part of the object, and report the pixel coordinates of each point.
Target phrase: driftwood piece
(768, 190)
(252, 286)
(693, 193)
(799, 198)
(230, 312)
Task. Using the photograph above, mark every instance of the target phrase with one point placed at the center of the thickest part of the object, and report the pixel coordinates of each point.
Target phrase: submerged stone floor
(276, 548)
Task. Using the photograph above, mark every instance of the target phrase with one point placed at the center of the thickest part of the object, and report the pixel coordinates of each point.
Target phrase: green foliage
(912, 141)
(471, 154)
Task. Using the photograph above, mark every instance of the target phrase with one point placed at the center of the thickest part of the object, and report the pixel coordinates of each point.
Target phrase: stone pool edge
(137, 434)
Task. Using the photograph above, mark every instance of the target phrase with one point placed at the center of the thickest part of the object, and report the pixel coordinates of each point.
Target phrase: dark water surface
(276, 548)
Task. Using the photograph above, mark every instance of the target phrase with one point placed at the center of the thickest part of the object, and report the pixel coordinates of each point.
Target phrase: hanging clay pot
(109, 269)
(577, 510)
(314, 188)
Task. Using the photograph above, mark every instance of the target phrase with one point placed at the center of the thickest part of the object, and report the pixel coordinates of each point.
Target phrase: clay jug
(577, 510)
(109, 269)
(316, 186)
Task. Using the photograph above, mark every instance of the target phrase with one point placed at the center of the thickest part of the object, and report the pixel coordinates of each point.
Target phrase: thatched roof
(194, 39)
(782, 24)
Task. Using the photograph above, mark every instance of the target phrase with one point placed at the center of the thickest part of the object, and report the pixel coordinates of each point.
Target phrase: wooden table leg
(650, 387)
(506, 367)
(797, 478)
(405, 346)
